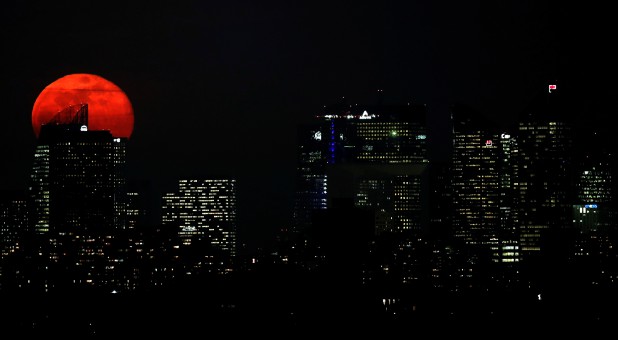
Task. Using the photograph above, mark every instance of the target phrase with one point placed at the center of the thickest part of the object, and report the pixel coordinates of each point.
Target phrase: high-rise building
(311, 180)
(475, 180)
(594, 191)
(508, 250)
(483, 213)
(75, 192)
(38, 190)
(440, 225)
(204, 213)
(543, 171)
(594, 234)
(376, 158)
(379, 152)
(120, 183)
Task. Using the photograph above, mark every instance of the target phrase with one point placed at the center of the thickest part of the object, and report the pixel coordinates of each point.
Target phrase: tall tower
(377, 155)
(475, 181)
(484, 218)
(372, 158)
(388, 152)
(73, 196)
(204, 211)
(508, 250)
(311, 180)
(121, 201)
(593, 255)
(543, 171)
(594, 186)
(13, 223)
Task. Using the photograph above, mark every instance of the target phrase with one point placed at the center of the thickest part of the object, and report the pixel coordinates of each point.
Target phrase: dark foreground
(261, 305)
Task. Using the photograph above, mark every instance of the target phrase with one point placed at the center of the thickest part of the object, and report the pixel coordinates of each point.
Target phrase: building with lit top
(508, 250)
(543, 171)
(375, 158)
(384, 148)
(311, 180)
(75, 195)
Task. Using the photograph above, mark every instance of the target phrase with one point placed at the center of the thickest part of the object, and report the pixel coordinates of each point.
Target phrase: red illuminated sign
(552, 87)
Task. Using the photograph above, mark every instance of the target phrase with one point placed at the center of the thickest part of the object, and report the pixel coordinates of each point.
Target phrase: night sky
(218, 88)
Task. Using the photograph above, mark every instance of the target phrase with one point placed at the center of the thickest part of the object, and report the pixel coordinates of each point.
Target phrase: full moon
(108, 106)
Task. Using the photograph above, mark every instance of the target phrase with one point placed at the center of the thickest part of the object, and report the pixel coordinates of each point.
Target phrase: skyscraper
(121, 202)
(74, 194)
(378, 155)
(375, 158)
(508, 250)
(593, 250)
(543, 171)
(204, 213)
(484, 220)
(311, 180)
(475, 180)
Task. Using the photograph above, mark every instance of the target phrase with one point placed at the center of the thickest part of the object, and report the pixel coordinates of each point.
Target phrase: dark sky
(218, 87)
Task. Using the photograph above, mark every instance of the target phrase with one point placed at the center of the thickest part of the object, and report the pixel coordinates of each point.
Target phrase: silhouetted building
(375, 158)
(594, 227)
(440, 233)
(388, 136)
(76, 200)
(344, 233)
(543, 172)
(311, 180)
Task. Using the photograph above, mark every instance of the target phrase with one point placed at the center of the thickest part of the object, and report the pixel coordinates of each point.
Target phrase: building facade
(203, 211)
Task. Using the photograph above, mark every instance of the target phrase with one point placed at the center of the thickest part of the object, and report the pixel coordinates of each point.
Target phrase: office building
(74, 194)
(203, 211)
(543, 172)
(375, 158)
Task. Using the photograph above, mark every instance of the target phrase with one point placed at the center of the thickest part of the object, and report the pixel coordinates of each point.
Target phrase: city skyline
(241, 165)
(523, 213)
(236, 79)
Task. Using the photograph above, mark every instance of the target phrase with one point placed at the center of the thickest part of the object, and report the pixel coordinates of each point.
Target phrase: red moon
(108, 106)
